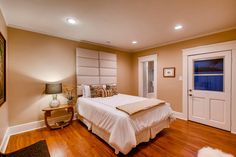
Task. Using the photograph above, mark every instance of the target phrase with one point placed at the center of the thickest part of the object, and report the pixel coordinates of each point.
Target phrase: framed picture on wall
(169, 72)
(2, 69)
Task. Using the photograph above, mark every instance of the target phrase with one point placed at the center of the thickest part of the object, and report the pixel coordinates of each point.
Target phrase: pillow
(113, 88)
(86, 91)
(104, 86)
(95, 90)
(106, 92)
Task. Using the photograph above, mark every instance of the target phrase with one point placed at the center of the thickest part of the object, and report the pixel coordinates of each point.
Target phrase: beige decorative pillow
(113, 88)
(106, 92)
(95, 90)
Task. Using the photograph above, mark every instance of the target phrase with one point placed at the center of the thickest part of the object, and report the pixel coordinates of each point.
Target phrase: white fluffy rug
(210, 152)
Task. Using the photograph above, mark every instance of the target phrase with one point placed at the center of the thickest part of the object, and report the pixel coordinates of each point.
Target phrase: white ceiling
(150, 22)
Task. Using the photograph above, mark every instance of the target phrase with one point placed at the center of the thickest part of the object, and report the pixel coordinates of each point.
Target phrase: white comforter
(122, 127)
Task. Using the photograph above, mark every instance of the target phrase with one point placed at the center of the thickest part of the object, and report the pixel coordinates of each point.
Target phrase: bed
(119, 129)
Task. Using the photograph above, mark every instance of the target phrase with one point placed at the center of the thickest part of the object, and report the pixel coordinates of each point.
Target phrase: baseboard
(5, 140)
(233, 132)
(179, 115)
(17, 129)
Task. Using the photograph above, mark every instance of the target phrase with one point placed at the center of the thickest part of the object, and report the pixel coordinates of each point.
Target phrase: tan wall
(4, 107)
(170, 89)
(35, 59)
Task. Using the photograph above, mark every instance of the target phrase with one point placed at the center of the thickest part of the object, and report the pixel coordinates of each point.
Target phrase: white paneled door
(209, 85)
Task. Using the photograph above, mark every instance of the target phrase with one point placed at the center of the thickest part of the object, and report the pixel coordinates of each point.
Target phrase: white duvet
(122, 128)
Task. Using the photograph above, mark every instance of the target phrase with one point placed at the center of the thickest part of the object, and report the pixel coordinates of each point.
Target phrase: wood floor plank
(183, 138)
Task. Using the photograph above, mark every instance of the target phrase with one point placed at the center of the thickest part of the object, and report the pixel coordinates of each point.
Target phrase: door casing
(231, 46)
(140, 73)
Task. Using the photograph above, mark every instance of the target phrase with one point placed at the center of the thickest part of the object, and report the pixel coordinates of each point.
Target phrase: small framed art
(169, 72)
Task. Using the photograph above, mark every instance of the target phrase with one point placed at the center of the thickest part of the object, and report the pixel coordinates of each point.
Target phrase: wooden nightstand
(60, 124)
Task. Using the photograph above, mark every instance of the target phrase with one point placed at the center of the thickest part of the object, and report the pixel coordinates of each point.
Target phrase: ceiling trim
(181, 40)
(117, 48)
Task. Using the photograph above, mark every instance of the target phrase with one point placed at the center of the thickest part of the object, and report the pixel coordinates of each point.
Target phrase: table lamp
(54, 89)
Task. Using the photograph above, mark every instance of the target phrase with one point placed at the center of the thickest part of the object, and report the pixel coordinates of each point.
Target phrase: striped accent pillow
(113, 88)
(95, 90)
(106, 92)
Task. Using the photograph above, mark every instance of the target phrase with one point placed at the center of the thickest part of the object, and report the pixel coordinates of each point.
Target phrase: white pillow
(104, 86)
(86, 91)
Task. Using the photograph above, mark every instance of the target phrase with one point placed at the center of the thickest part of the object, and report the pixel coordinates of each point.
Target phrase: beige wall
(170, 89)
(35, 59)
(4, 107)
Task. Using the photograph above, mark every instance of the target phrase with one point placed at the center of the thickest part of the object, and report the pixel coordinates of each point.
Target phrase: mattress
(122, 128)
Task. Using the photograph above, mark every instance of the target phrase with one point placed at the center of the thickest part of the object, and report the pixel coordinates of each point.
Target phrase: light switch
(180, 78)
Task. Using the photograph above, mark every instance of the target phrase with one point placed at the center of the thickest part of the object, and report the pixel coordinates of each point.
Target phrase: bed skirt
(142, 136)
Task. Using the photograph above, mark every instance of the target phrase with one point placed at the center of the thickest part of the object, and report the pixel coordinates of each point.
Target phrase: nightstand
(60, 124)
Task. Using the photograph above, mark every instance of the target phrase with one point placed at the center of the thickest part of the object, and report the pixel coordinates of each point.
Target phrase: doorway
(148, 76)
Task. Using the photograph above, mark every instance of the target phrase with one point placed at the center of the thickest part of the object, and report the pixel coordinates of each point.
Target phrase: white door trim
(140, 73)
(231, 45)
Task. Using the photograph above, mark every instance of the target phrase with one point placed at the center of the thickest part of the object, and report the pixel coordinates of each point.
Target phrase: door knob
(190, 90)
(190, 95)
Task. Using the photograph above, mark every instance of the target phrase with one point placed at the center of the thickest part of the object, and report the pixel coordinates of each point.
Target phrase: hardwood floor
(182, 139)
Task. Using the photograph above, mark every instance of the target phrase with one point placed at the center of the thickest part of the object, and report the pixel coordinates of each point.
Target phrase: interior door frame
(140, 73)
(230, 46)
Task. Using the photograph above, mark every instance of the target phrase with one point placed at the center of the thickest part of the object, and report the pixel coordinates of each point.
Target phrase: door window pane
(211, 83)
(150, 76)
(145, 79)
(212, 66)
(209, 74)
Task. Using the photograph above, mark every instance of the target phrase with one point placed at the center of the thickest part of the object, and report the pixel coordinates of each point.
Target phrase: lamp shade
(53, 88)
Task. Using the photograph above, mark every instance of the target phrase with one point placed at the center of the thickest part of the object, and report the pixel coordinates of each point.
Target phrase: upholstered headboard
(95, 67)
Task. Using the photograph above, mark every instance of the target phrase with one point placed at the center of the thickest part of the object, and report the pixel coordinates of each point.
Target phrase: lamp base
(54, 103)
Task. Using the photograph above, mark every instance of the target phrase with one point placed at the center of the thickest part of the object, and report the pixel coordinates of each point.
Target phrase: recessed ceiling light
(71, 20)
(178, 27)
(134, 42)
